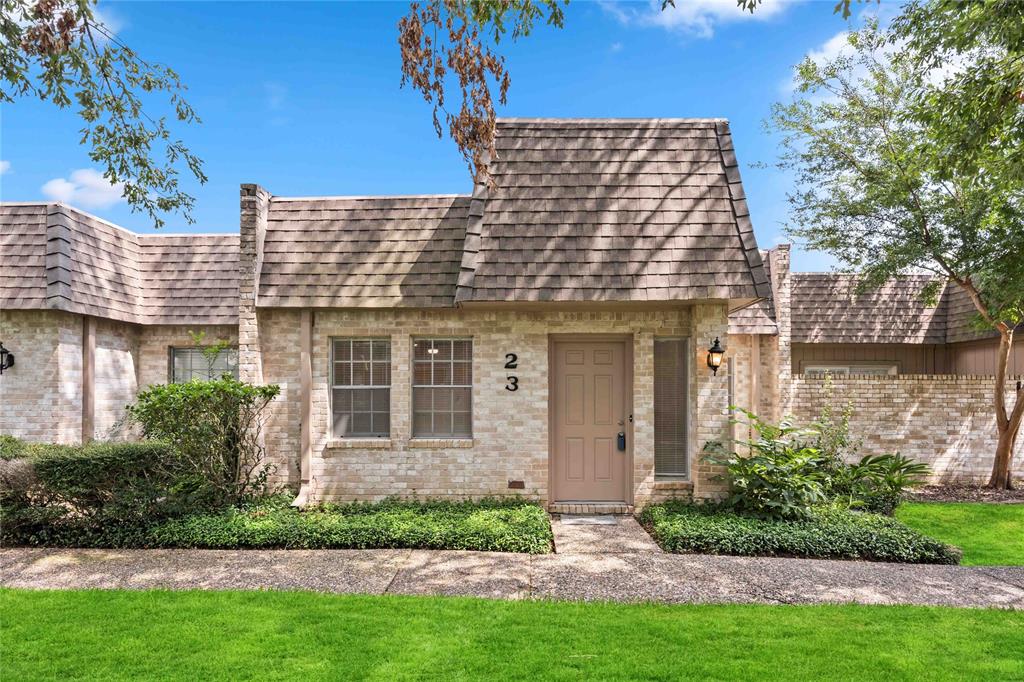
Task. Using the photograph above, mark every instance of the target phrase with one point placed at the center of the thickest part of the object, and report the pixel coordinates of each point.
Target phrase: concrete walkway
(627, 576)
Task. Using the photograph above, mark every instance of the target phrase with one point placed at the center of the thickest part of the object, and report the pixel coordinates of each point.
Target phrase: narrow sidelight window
(442, 388)
(190, 363)
(671, 399)
(361, 388)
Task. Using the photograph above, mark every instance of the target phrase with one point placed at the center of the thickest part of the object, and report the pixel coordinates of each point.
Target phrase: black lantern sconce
(6, 359)
(715, 355)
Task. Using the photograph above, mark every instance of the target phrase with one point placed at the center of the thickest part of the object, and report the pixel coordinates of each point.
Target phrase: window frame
(851, 368)
(413, 386)
(332, 387)
(687, 368)
(191, 348)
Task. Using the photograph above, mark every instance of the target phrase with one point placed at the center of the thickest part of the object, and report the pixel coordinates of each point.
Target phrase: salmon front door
(589, 411)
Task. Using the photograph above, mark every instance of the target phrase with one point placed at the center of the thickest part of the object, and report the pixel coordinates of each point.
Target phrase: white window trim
(412, 402)
(366, 387)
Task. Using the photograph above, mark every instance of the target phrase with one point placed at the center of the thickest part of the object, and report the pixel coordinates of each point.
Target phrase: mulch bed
(966, 493)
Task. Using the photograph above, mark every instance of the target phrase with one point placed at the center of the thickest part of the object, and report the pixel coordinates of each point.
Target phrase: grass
(298, 635)
(827, 533)
(989, 534)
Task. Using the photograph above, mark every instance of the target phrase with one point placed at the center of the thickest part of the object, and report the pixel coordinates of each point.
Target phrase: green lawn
(297, 635)
(989, 534)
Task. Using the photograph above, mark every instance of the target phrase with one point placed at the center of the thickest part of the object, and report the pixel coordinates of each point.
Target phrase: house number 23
(511, 362)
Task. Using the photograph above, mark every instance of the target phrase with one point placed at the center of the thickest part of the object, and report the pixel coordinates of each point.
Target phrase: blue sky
(304, 98)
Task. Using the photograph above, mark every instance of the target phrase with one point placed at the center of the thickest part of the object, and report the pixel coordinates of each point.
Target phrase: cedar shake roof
(364, 252)
(825, 309)
(611, 210)
(79, 263)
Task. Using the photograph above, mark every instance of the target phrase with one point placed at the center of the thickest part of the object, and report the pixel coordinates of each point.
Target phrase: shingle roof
(363, 251)
(759, 317)
(612, 209)
(826, 309)
(79, 263)
(22, 256)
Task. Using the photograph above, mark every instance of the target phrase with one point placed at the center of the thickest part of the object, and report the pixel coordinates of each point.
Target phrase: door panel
(588, 404)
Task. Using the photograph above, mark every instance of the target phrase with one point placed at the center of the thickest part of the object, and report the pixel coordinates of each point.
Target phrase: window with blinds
(361, 388)
(442, 388)
(671, 398)
(187, 364)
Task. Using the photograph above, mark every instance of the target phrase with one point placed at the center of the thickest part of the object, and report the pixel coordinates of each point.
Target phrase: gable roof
(59, 258)
(611, 210)
(363, 251)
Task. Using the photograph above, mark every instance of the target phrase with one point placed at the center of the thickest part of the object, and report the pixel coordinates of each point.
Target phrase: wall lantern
(6, 359)
(715, 355)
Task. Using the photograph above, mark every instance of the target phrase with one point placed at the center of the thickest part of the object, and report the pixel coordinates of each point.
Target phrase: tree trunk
(1007, 425)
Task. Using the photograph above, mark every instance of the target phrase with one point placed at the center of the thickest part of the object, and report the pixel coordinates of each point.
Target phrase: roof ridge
(373, 196)
(639, 119)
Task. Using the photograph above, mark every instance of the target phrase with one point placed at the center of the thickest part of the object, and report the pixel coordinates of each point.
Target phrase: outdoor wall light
(715, 355)
(6, 359)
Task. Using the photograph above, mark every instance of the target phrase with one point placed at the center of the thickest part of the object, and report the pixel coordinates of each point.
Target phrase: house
(545, 336)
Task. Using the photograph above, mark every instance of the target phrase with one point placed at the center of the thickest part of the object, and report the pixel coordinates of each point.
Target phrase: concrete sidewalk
(627, 576)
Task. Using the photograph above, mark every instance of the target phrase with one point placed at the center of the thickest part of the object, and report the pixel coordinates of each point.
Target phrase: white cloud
(615, 47)
(5, 167)
(86, 187)
(836, 46)
(692, 17)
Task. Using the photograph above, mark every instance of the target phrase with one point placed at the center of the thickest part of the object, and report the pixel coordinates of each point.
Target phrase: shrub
(827, 532)
(214, 427)
(11, 447)
(489, 525)
(876, 483)
(59, 494)
(781, 478)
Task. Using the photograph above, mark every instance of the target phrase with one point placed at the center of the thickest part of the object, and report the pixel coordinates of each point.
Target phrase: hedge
(488, 525)
(828, 533)
(61, 494)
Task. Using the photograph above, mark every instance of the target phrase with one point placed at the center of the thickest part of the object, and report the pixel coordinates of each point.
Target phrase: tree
(470, 31)
(58, 51)
(891, 177)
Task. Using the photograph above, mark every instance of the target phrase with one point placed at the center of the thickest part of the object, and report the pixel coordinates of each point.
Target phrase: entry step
(598, 508)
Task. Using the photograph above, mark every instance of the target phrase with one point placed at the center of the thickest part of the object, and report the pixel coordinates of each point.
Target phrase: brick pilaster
(255, 202)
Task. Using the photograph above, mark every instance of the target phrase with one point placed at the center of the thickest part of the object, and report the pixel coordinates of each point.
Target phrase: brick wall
(156, 341)
(947, 421)
(40, 397)
(510, 440)
(115, 376)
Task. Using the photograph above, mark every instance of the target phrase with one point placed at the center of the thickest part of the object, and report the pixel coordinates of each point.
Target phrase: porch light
(715, 355)
(6, 359)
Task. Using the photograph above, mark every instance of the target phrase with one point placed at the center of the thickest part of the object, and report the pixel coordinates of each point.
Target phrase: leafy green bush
(11, 447)
(876, 483)
(780, 478)
(60, 493)
(489, 525)
(827, 532)
(214, 426)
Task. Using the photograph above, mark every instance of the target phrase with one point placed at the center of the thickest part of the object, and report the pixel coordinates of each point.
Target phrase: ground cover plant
(509, 525)
(824, 533)
(301, 635)
(989, 534)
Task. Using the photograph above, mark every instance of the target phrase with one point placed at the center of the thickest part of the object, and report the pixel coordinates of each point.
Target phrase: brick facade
(510, 429)
(945, 421)
(40, 397)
